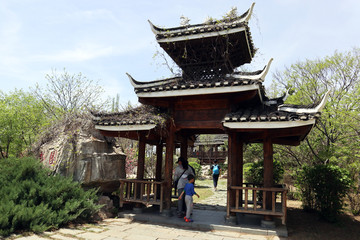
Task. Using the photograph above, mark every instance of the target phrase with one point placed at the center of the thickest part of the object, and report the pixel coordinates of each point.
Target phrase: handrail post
(148, 191)
(237, 199)
(273, 200)
(121, 193)
(264, 199)
(254, 198)
(246, 199)
(161, 196)
(228, 203)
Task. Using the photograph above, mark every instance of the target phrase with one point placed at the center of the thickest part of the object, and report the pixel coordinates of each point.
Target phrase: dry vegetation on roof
(142, 113)
(70, 125)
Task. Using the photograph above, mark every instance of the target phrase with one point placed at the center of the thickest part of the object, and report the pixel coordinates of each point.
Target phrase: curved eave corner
(276, 100)
(123, 128)
(137, 84)
(154, 29)
(261, 76)
(317, 109)
(250, 11)
(157, 30)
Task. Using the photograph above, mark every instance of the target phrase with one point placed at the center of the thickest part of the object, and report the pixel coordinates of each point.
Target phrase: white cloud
(83, 53)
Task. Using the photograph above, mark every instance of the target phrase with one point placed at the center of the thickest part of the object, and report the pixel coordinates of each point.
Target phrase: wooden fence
(147, 192)
(252, 200)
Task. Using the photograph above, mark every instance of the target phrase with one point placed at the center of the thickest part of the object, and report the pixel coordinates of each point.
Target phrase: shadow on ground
(307, 225)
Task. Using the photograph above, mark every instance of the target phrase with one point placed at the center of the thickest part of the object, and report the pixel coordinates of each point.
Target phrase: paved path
(126, 229)
(215, 202)
(116, 229)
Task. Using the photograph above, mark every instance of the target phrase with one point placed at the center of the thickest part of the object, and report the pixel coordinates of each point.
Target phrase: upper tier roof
(208, 48)
(178, 86)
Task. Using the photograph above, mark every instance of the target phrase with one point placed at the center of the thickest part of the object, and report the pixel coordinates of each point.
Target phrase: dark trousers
(215, 179)
(181, 203)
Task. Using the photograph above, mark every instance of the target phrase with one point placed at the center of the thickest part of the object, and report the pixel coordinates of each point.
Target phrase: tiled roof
(136, 116)
(277, 112)
(272, 110)
(235, 79)
(199, 49)
(218, 139)
(180, 84)
(267, 114)
(213, 26)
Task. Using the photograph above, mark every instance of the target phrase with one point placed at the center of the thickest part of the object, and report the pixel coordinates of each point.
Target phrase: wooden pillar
(169, 159)
(231, 181)
(268, 172)
(184, 147)
(235, 169)
(159, 157)
(141, 157)
(140, 166)
(239, 166)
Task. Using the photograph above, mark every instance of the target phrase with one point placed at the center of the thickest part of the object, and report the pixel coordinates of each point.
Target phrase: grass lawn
(205, 188)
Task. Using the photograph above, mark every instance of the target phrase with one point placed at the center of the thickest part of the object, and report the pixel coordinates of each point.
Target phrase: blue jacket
(189, 189)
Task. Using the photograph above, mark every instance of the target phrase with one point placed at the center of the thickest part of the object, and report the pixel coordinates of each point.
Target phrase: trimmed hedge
(34, 200)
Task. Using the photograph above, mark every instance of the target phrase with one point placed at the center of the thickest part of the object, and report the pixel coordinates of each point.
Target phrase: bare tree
(68, 93)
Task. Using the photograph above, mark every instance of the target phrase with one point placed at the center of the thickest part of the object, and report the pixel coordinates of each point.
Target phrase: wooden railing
(252, 199)
(147, 192)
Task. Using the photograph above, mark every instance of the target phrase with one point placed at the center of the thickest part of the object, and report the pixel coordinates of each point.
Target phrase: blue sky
(105, 39)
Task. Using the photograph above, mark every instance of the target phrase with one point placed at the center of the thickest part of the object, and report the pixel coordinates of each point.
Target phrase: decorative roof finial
(185, 21)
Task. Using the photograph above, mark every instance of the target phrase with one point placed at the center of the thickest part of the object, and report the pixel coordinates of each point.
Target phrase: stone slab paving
(59, 236)
(115, 230)
(208, 225)
(69, 231)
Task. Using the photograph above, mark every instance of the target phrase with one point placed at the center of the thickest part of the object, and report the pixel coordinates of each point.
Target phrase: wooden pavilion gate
(220, 101)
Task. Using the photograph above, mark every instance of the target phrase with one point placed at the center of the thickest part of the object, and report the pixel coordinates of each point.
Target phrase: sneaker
(188, 220)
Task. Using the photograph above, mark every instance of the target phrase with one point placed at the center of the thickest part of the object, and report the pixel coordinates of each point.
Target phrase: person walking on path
(181, 174)
(189, 191)
(215, 174)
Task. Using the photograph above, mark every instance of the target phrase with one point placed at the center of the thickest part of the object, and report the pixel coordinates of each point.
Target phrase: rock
(79, 151)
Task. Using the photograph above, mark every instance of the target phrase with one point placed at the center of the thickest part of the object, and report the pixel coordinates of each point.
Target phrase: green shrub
(254, 172)
(323, 188)
(33, 200)
(197, 168)
(223, 167)
(354, 201)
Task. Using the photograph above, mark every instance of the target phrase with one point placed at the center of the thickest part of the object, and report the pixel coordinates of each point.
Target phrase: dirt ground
(305, 225)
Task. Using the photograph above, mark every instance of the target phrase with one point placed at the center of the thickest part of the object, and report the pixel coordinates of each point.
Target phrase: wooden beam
(184, 147)
(152, 136)
(197, 125)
